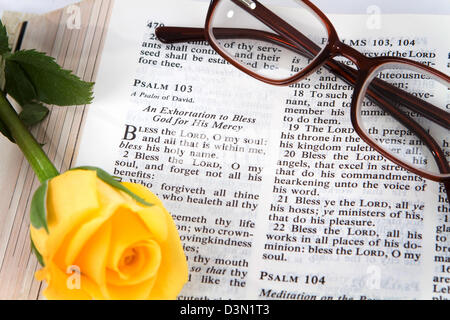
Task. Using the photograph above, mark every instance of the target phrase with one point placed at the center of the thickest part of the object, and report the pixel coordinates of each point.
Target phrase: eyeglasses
(400, 108)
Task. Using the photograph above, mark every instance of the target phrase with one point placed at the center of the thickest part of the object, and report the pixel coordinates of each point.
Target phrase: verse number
(299, 93)
(289, 153)
(279, 227)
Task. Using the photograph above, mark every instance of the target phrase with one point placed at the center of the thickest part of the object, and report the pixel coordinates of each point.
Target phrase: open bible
(273, 193)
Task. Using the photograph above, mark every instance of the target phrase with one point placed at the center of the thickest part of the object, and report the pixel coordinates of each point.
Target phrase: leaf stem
(33, 152)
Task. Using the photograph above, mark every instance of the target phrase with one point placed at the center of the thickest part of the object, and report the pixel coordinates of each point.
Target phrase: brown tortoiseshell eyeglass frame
(382, 93)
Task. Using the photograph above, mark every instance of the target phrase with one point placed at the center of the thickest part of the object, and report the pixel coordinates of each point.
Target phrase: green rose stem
(37, 158)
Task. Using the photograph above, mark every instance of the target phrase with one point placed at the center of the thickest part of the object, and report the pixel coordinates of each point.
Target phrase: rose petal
(108, 194)
(93, 257)
(156, 221)
(84, 233)
(154, 217)
(127, 229)
(70, 194)
(139, 291)
(39, 237)
(71, 199)
(173, 272)
(143, 266)
(92, 288)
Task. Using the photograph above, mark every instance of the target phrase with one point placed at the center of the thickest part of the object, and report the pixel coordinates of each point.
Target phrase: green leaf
(5, 131)
(107, 178)
(4, 46)
(33, 113)
(38, 212)
(53, 84)
(37, 253)
(18, 85)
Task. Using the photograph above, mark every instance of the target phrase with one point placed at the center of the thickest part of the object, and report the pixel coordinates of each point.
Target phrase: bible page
(274, 194)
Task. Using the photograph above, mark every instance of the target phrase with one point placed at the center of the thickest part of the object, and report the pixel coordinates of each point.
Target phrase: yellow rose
(118, 248)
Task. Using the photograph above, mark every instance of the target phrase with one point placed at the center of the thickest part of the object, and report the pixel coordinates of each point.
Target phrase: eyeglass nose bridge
(338, 48)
